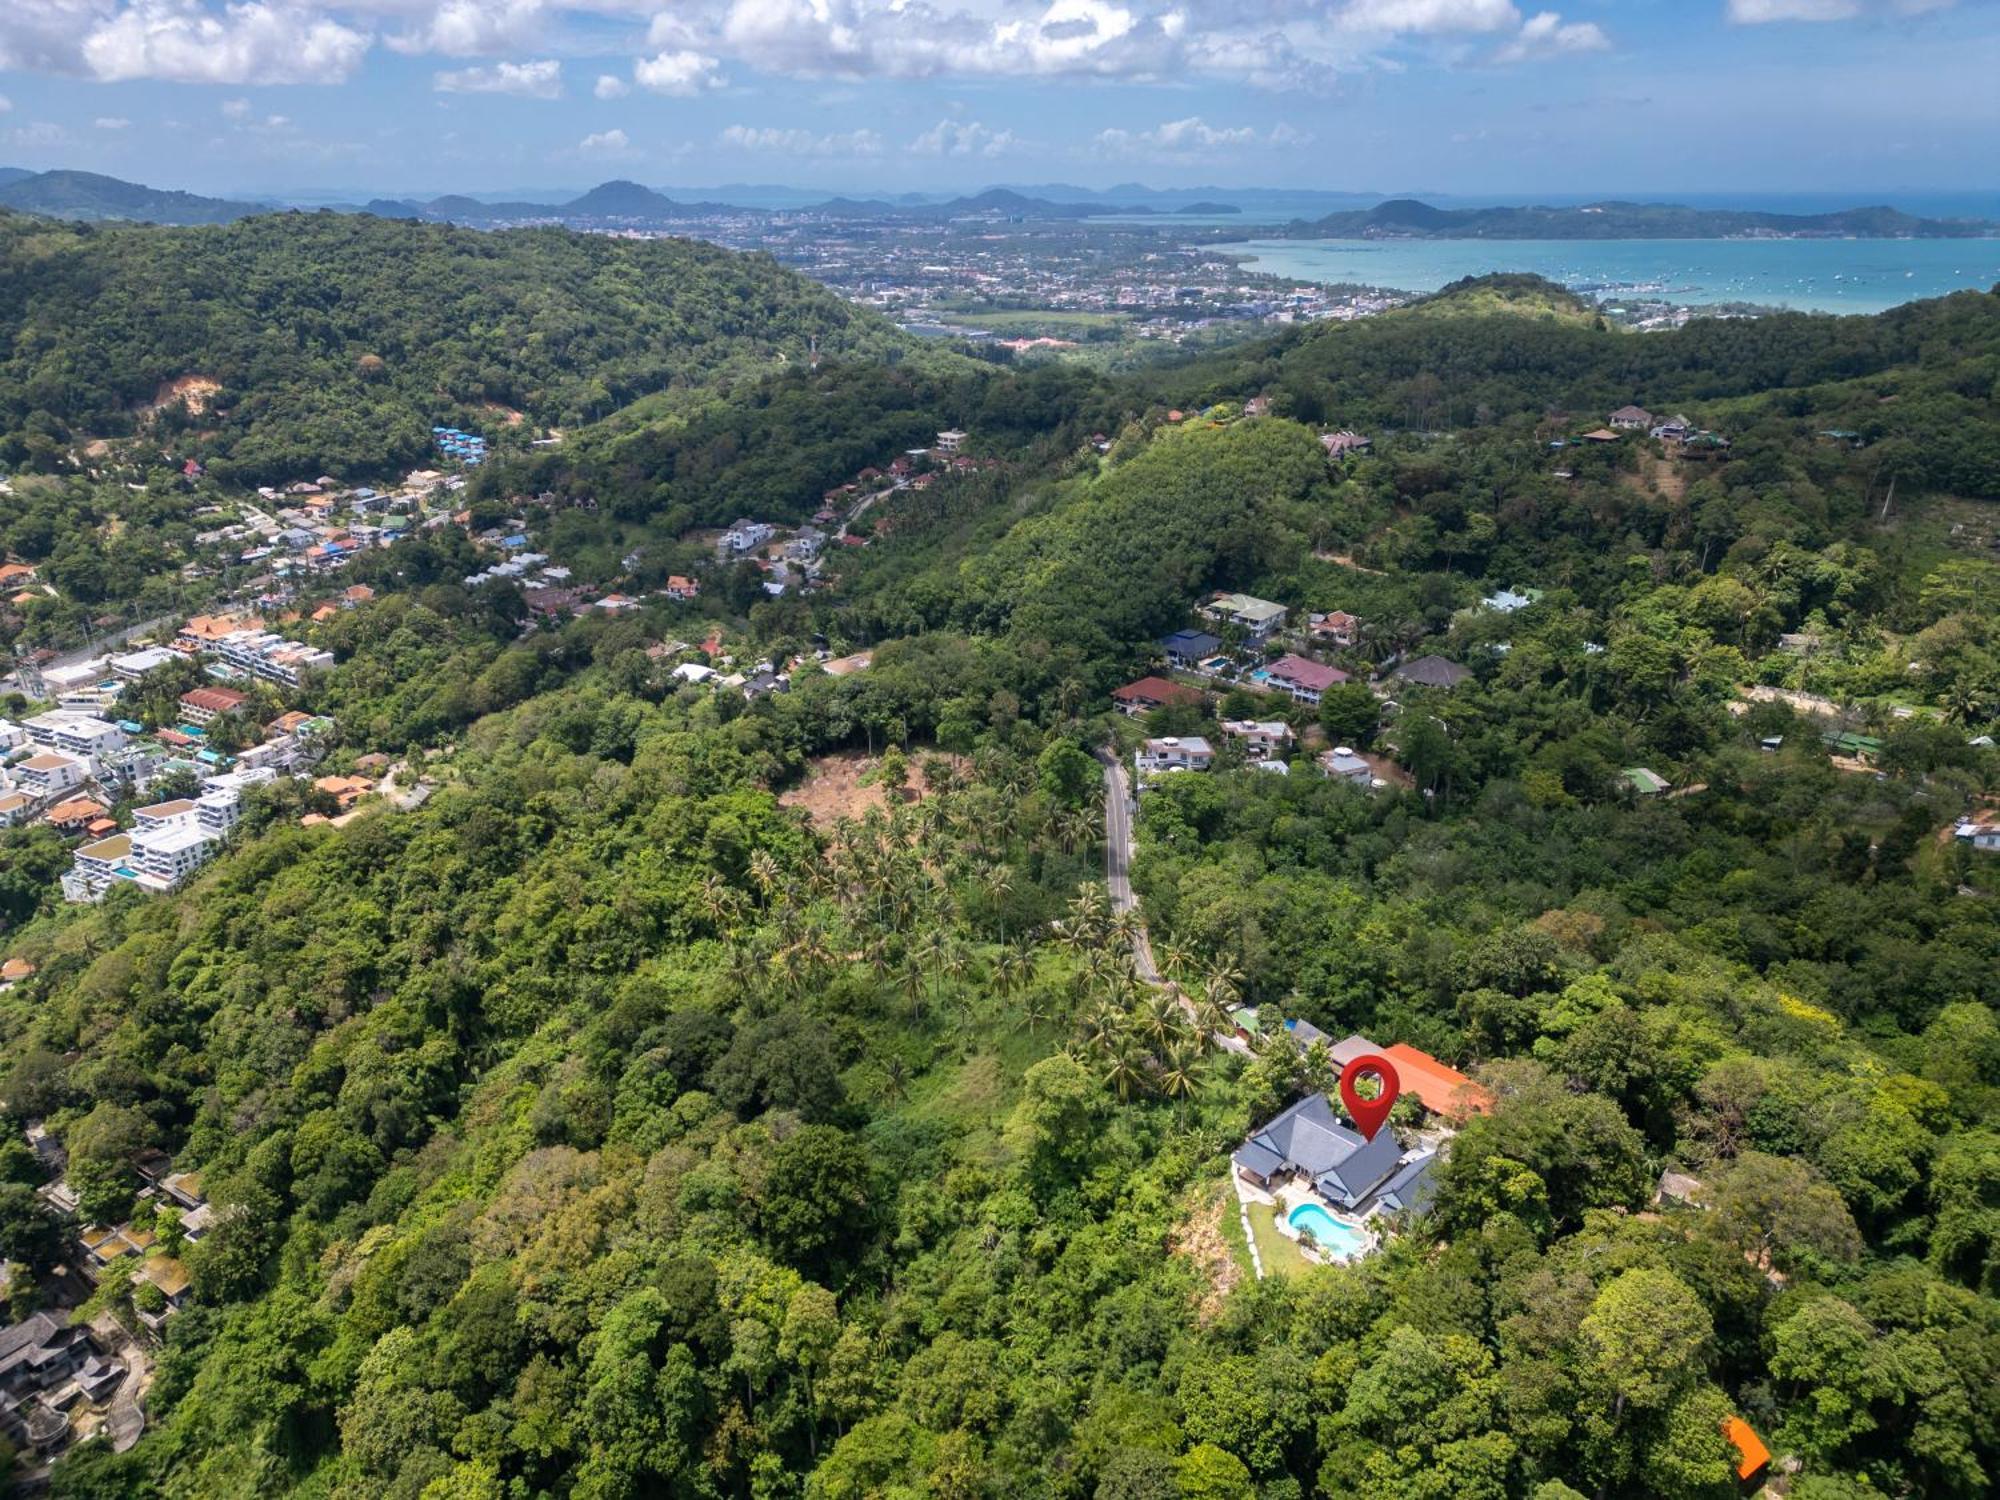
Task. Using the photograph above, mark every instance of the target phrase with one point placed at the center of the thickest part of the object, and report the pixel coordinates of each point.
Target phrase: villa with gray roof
(1309, 1140)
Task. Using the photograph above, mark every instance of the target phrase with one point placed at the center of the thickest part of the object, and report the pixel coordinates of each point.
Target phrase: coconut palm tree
(1181, 1075)
(1125, 1071)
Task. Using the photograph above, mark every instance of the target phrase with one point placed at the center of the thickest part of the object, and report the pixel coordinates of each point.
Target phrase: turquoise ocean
(1839, 276)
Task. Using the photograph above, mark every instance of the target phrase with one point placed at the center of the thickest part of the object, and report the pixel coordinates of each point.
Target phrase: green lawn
(1280, 1255)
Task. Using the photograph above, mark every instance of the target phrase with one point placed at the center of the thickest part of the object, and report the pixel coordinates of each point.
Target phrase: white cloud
(5, 104)
(236, 109)
(1195, 137)
(605, 143)
(1548, 35)
(1428, 17)
(956, 138)
(799, 142)
(525, 80)
(183, 41)
(473, 28)
(611, 86)
(1761, 12)
(680, 73)
(112, 122)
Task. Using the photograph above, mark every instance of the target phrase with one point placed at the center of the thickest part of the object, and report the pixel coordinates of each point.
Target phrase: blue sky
(1467, 96)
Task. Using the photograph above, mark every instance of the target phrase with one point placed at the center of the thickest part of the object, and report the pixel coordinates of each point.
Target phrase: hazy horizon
(1471, 97)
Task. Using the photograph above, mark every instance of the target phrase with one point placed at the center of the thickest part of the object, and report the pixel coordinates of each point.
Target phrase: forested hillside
(305, 343)
(624, 1121)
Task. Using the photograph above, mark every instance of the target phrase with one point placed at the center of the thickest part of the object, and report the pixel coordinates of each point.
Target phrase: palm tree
(999, 886)
(764, 872)
(1180, 1075)
(895, 1077)
(1125, 1071)
(1102, 1030)
(912, 981)
(1159, 1020)
(1038, 1011)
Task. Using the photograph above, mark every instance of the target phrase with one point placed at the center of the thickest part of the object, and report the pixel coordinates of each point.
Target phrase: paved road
(1118, 879)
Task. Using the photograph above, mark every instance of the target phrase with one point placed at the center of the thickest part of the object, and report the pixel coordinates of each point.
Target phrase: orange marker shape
(1369, 1115)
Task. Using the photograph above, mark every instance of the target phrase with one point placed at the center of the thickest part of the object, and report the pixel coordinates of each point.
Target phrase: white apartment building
(48, 775)
(96, 866)
(167, 854)
(82, 735)
(266, 654)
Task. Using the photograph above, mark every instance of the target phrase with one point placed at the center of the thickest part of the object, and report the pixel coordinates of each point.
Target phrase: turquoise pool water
(1336, 1240)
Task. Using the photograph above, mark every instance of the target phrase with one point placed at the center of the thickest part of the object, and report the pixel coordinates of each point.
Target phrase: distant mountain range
(624, 204)
(89, 196)
(1408, 218)
(619, 202)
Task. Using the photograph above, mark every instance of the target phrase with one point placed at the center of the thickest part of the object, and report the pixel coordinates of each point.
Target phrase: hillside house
(1981, 833)
(743, 536)
(1175, 753)
(1631, 419)
(1186, 650)
(1340, 444)
(1263, 739)
(1258, 619)
(1338, 628)
(1432, 671)
(1342, 764)
(1149, 693)
(1306, 680)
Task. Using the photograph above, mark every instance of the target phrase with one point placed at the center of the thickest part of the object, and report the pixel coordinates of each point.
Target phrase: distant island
(1408, 218)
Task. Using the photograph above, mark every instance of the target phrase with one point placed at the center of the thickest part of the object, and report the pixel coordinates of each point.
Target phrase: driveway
(1118, 808)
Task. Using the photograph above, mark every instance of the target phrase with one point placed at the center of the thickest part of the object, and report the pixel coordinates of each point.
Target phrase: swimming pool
(1336, 1241)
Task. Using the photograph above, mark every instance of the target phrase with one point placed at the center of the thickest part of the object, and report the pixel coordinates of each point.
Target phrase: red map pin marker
(1369, 1115)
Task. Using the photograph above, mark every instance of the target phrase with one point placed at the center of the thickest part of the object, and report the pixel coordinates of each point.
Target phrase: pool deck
(1288, 1197)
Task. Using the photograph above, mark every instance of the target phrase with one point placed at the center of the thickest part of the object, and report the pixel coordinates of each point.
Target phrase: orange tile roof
(1753, 1456)
(77, 810)
(1440, 1089)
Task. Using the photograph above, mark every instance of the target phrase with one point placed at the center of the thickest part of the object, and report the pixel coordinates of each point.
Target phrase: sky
(1476, 97)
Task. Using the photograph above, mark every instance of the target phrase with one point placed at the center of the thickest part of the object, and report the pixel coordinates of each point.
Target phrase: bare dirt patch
(1657, 476)
(833, 787)
(506, 414)
(1344, 560)
(195, 392)
(1200, 1239)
